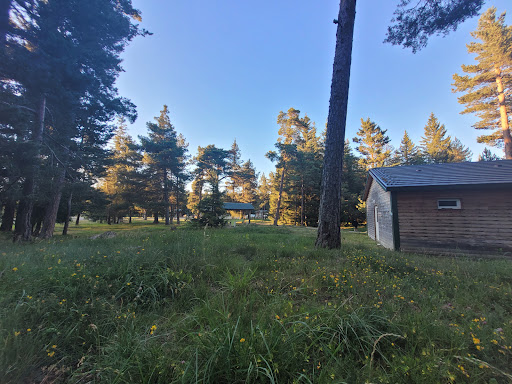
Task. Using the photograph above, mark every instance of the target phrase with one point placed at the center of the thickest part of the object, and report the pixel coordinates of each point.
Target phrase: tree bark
(177, 203)
(302, 203)
(23, 227)
(50, 214)
(166, 197)
(329, 235)
(155, 218)
(8, 216)
(278, 207)
(507, 138)
(68, 215)
(77, 219)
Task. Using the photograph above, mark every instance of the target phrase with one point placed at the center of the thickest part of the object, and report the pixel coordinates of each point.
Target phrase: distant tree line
(294, 187)
(149, 179)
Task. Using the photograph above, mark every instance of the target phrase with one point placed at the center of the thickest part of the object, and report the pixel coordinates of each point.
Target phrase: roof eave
(444, 186)
(369, 180)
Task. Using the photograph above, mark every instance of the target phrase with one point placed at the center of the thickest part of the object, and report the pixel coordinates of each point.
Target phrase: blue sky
(226, 68)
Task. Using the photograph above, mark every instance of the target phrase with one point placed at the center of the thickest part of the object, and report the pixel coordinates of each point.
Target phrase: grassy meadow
(251, 304)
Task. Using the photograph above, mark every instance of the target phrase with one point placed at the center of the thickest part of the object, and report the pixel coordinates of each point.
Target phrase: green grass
(251, 304)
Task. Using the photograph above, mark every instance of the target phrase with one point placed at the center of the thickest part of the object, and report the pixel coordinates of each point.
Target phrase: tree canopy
(487, 85)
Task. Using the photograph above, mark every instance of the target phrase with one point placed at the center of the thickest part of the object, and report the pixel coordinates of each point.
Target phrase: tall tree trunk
(50, 214)
(8, 216)
(155, 218)
(302, 202)
(166, 197)
(129, 215)
(68, 215)
(77, 219)
(507, 138)
(23, 227)
(295, 220)
(171, 212)
(177, 203)
(278, 207)
(329, 235)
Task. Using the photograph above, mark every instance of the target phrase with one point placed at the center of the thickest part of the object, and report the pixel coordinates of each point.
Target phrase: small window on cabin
(448, 204)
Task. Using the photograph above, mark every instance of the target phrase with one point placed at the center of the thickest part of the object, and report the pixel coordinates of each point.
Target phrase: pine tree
(408, 153)
(122, 182)
(414, 25)
(211, 168)
(181, 177)
(354, 178)
(287, 121)
(235, 176)
(458, 152)
(195, 196)
(163, 157)
(298, 162)
(249, 185)
(373, 145)
(264, 192)
(487, 155)
(306, 175)
(435, 145)
(488, 84)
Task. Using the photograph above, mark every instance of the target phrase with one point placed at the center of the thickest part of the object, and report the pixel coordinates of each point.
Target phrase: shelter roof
(439, 175)
(238, 206)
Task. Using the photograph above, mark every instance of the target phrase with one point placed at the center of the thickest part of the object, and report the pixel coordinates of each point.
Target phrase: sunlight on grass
(247, 304)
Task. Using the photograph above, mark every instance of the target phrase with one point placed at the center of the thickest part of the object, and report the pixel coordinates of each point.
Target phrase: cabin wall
(378, 196)
(482, 225)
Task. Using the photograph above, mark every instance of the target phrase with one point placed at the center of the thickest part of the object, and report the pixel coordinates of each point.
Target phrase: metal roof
(238, 206)
(437, 175)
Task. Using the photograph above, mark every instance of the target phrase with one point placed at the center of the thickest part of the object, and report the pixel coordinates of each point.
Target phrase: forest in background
(65, 151)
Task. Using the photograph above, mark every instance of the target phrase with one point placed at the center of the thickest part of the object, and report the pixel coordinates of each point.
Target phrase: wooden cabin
(442, 208)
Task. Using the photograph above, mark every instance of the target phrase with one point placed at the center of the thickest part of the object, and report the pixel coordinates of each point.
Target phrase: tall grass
(251, 304)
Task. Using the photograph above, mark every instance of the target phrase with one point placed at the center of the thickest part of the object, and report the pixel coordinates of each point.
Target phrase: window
(448, 204)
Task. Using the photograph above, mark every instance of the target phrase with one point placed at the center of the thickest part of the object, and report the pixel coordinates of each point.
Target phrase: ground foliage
(248, 304)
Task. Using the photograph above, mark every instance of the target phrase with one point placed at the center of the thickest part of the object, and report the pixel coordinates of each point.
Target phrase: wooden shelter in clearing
(242, 208)
(442, 208)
